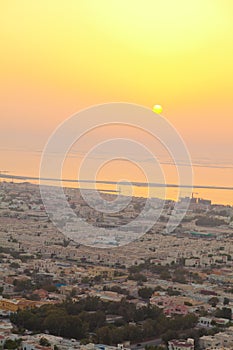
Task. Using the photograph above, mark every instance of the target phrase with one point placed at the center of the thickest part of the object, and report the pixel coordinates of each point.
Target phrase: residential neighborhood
(184, 277)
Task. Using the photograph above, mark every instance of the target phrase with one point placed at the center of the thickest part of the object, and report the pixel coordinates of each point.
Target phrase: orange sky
(58, 57)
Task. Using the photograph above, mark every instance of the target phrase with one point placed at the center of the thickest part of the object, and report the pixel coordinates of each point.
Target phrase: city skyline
(60, 58)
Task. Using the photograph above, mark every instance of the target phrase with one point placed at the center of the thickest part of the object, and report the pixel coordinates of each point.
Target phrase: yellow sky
(60, 56)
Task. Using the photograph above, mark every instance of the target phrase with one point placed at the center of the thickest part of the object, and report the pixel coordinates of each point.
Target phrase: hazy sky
(60, 56)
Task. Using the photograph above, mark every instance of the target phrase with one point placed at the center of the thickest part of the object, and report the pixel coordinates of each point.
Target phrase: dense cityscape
(160, 291)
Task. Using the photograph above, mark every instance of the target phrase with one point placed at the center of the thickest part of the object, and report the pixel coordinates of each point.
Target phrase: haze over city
(58, 58)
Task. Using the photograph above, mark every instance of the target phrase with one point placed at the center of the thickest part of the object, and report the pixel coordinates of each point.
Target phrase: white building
(181, 344)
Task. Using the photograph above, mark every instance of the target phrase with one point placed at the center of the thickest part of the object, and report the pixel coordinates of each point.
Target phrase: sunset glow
(58, 57)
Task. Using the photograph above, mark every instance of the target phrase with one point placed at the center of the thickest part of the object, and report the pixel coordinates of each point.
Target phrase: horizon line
(122, 183)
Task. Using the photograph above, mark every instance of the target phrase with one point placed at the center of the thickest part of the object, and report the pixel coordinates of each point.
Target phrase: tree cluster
(87, 318)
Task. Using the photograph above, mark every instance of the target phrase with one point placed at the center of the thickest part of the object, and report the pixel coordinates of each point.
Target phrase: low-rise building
(181, 344)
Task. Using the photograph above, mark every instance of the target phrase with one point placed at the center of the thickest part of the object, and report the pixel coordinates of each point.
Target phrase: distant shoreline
(122, 183)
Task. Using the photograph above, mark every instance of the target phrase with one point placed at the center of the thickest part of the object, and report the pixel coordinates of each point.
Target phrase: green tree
(213, 301)
(15, 265)
(145, 292)
(139, 277)
(12, 344)
(23, 285)
(44, 342)
(224, 313)
(226, 301)
(104, 335)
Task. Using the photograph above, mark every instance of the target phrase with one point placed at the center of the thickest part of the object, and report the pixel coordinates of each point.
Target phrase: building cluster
(188, 272)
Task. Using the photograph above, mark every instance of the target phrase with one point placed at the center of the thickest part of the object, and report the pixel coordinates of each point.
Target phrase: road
(142, 345)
